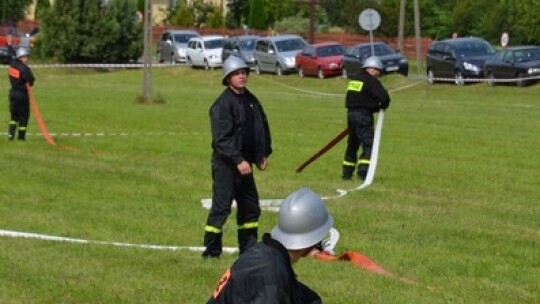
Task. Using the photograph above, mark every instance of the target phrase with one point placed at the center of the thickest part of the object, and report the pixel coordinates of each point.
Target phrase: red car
(320, 59)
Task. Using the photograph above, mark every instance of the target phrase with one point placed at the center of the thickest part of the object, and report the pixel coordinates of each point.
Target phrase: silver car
(277, 54)
(172, 45)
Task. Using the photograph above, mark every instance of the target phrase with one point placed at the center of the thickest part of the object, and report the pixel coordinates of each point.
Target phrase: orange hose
(39, 119)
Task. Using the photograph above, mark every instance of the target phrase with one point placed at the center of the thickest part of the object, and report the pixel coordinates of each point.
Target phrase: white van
(277, 54)
(205, 51)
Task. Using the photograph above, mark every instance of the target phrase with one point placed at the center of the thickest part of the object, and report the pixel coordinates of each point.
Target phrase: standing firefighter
(264, 273)
(240, 138)
(19, 105)
(365, 96)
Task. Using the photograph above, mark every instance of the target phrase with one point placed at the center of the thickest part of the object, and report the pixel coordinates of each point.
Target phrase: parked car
(321, 60)
(516, 62)
(277, 53)
(241, 46)
(393, 61)
(205, 51)
(172, 45)
(458, 59)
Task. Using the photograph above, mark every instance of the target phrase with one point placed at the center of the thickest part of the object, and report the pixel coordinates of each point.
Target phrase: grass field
(454, 205)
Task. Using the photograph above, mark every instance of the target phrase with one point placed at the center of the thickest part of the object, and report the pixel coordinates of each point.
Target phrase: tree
(182, 14)
(41, 7)
(13, 11)
(86, 31)
(257, 15)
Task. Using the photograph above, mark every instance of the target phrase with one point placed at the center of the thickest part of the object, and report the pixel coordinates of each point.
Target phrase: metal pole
(418, 37)
(147, 57)
(401, 27)
(312, 21)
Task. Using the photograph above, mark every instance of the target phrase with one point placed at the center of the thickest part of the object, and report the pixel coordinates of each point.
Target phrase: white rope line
(466, 79)
(105, 134)
(28, 235)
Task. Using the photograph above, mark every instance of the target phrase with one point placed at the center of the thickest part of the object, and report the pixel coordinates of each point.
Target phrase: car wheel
(300, 71)
(344, 73)
(206, 65)
(189, 62)
(320, 73)
(520, 82)
(458, 78)
(430, 76)
(491, 80)
(279, 70)
(171, 59)
(257, 68)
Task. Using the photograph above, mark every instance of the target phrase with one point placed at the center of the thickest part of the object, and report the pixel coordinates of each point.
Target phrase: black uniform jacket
(366, 92)
(263, 275)
(19, 75)
(227, 119)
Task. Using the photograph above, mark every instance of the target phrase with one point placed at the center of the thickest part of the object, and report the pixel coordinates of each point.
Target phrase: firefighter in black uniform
(264, 273)
(240, 138)
(19, 106)
(365, 96)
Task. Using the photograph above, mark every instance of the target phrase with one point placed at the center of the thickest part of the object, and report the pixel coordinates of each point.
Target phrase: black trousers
(229, 184)
(361, 134)
(19, 107)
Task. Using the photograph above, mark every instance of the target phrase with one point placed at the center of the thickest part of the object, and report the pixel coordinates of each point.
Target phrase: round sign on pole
(504, 39)
(369, 19)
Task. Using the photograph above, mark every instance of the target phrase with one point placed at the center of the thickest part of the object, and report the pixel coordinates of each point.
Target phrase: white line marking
(28, 235)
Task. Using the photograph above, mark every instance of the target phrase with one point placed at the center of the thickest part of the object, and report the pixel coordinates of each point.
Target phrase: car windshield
(527, 55)
(330, 50)
(214, 44)
(474, 48)
(247, 45)
(290, 45)
(183, 38)
(382, 49)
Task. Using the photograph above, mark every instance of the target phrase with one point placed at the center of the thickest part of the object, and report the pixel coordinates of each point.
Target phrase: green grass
(454, 205)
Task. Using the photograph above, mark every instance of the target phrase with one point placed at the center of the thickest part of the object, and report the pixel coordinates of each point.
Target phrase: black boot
(22, 133)
(362, 171)
(347, 172)
(246, 238)
(213, 244)
(11, 130)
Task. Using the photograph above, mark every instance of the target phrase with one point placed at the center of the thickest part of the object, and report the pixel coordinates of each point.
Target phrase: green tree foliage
(13, 11)
(295, 24)
(257, 15)
(85, 31)
(41, 7)
(215, 18)
(182, 15)
(238, 9)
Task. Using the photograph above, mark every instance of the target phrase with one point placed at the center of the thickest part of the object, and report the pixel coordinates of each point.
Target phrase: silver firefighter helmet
(303, 220)
(373, 62)
(233, 63)
(21, 52)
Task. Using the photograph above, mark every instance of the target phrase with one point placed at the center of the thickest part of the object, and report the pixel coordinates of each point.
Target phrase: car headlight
(182, 52)
(289, 60)
(250, 58)
(212, 57)
(333, 65)
(533, 70)
(403, 60)
(471, 67)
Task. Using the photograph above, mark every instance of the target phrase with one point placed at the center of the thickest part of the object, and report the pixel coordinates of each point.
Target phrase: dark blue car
(458, 59)
(519, 63)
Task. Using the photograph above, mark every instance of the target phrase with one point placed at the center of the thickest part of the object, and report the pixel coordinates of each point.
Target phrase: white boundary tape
(16, 234)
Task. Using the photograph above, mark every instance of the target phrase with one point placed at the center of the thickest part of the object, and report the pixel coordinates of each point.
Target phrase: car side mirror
(169, 41)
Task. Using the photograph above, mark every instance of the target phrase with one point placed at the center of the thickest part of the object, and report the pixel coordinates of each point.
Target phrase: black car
(458, 59)
(393, 61)
(519, 63)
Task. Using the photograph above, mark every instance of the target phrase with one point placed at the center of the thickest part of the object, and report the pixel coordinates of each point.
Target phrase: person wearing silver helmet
(240, 139)
(264, 273)
(365, 96)
(19, 105)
